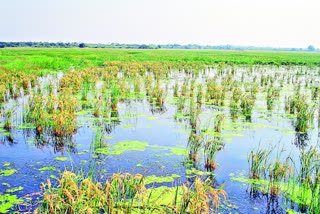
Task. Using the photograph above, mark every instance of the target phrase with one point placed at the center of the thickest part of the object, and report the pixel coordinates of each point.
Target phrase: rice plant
(247, 104)
(194, 145)
(176, 90)
(200, 95)
(270, 99)
(257, 161)
(305, 114)
(115, 97)
(218, 123)
(8, 118)
(315, 91)
(211, 148)
(126, 193)
(279, 171)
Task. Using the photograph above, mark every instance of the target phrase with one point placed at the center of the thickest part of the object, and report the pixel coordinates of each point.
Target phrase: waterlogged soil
(153, 143)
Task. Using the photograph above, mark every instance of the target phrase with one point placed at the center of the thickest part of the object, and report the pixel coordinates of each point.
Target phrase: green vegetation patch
(53, 177)
(8, 172)
(194, 171)
(7, 201)
(227, 135)
(128, 145)
(164, 195)
(102, 150)
(173, 150)
(61, 158)
(152, 118)
(179, 151)
(27, 126)
(295, 193)
(160, 179)
(6, 184)
(180, 115)
(6, 164)
(256, 126)
(47, 168)
(130, 115)
(6, 134)
(15, 189)
(83, 152)
(127, 126)
(290, 211)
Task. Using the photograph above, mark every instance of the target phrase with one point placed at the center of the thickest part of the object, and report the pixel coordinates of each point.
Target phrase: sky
(276, 23)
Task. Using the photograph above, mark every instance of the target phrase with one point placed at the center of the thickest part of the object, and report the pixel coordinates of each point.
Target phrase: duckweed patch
(53, 177)
(61, 158)
(127, 126)
(103, 150)
(158, 179)
(8, 172)
(256, 126)
(47, 168)
(175, 176)
(16, 189)
(293, 193)
(225, 136)
(179, 151)
(83, 152)
(128, 145)
(180, 116)
(194, 171)
(164, 195)
(173, 150)
(6, 184)
(7, 202)
(6, 134)
(6, 164)
(152, 118)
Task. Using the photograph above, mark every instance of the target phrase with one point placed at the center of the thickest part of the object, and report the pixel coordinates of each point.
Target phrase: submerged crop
(127, 193)
(197, 114)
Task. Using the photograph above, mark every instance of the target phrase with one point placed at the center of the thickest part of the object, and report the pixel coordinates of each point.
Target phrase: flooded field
(161, 137)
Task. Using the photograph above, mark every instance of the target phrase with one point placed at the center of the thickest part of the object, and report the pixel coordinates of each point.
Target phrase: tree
(311, 48)
(144, 47)
(82, 45)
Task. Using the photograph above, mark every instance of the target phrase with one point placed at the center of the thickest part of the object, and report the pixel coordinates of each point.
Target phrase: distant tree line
(143, 46)
(42, 44)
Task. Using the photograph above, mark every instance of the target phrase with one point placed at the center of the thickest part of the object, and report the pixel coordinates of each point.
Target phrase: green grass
(52, 60)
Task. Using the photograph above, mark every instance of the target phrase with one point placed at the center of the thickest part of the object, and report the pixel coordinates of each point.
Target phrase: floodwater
(36, 158)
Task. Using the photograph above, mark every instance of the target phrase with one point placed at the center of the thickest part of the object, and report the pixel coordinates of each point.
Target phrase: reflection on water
(181, 137)
(301, 140)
